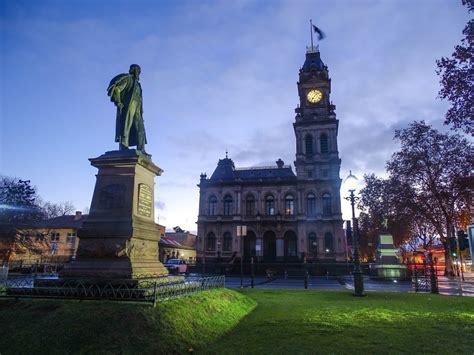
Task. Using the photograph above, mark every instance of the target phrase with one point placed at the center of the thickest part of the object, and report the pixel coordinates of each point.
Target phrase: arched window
(327, 205)
(328, 243)
(324, 143)
(227, 242)
(250, 205)
(308, 143)
(211, 242)
(270, 205)
(312, 244)
(212, 206)
(289, 205)
(311, 205)
(228, 205)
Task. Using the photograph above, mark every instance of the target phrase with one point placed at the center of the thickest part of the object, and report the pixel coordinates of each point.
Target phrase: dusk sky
(216, 76)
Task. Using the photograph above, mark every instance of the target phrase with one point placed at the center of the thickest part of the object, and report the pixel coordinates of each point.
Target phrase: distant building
(287, 214)
(54, 239)
(178, 245)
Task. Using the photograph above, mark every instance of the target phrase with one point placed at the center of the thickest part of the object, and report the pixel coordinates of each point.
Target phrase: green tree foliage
(18, 201)
(457, 79)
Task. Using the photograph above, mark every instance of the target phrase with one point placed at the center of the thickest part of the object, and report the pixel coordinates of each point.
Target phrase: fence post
(154, 293)
(415, 273)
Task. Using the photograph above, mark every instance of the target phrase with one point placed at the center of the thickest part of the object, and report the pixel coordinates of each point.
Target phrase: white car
(176, 266)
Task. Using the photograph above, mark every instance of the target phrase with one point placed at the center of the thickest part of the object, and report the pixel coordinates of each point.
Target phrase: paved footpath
(447, 286)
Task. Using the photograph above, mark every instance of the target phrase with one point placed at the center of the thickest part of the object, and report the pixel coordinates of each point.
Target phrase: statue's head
(135, 70)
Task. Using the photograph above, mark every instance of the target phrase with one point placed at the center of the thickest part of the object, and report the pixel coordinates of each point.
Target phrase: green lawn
(252, 321)
(299, 321)
(60, 327)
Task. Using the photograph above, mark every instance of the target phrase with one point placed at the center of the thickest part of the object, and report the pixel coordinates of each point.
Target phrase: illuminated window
(212, 206)
(324, 143)
(289, 205)
(328, 243)
(270, 205)
(228, 205)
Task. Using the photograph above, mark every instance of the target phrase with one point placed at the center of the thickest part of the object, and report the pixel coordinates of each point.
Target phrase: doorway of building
(291, 247)
(269, 246)
(249, 245)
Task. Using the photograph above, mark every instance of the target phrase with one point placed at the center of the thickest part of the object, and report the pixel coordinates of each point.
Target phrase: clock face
(314, 96)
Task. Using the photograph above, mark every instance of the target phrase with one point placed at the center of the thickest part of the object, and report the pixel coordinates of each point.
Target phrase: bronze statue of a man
(125, 92)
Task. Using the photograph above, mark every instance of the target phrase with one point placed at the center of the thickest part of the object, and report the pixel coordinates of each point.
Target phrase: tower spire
(311, 31)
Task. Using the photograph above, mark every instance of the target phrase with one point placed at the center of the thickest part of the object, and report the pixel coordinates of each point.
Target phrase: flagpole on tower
(311, 31)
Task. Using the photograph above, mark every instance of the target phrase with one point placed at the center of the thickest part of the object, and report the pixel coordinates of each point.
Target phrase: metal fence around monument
(135, 290)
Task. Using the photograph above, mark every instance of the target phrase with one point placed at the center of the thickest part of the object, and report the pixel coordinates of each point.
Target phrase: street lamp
(351, 184)
(241, 232)
(315, 250)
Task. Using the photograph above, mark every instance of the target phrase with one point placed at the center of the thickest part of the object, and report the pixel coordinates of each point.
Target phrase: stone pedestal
(119, 239)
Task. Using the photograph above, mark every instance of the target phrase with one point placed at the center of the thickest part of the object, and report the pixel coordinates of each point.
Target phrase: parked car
(176, 266)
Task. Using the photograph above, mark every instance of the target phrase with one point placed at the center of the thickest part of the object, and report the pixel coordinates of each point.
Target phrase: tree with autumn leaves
(424, 190)
(457, 80)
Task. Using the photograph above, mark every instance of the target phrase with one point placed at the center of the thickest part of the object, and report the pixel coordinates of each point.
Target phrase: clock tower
(317, 161)
(317, 156)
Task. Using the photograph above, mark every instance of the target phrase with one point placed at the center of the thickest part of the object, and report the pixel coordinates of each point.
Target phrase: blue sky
(216, 76)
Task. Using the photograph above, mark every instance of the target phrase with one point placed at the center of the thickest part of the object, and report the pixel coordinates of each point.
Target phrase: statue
(125, 92)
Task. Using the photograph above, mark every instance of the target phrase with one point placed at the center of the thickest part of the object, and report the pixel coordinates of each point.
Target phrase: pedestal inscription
(145, 200)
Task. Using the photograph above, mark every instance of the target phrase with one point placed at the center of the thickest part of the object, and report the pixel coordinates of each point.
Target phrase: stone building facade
(287, 214)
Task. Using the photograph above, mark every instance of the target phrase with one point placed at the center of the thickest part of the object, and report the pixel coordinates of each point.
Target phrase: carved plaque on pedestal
(145, 200)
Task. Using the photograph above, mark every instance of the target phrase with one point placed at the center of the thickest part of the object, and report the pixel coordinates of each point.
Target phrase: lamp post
(241, 232)
(315, 250)
(351, 184)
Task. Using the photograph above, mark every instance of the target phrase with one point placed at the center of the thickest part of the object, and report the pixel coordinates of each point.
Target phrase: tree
(20, 209)
(384, 200)
(18, 201)
(431, 164)
(457, 79)
(51, 210)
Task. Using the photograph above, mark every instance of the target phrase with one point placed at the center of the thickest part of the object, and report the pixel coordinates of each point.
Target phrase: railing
(144, 290)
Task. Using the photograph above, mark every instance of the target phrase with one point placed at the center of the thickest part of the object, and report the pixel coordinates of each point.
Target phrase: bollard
(305, 274)
(253, 273)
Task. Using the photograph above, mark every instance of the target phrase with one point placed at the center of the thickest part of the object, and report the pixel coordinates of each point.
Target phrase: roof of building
(313, 61)
(67, 221)
(226, 170)
(171, 243)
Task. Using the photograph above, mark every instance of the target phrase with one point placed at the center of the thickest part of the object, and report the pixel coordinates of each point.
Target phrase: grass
(60, 327)
(251, 321)
(298, 321)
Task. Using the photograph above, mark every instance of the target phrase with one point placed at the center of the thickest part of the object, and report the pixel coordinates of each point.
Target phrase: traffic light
(462, 240)
(452, 246)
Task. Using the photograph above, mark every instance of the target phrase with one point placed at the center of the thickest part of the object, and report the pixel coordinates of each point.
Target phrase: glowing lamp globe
(351, 182)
